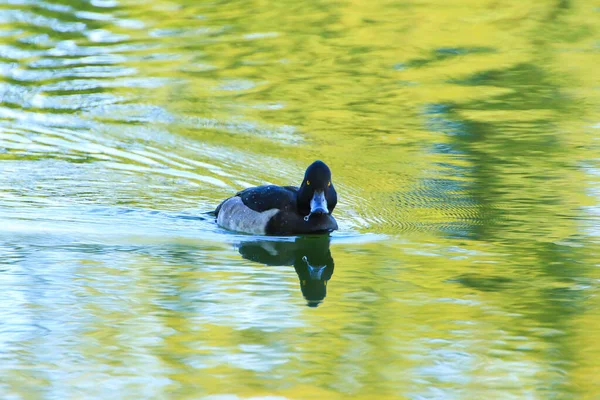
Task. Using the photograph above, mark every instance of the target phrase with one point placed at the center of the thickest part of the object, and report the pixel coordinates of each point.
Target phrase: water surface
(463, 141)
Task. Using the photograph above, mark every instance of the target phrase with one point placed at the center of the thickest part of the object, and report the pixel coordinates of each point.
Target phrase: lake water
(463, 140)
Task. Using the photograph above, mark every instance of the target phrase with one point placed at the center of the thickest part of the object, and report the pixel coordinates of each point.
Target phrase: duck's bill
(318, 204)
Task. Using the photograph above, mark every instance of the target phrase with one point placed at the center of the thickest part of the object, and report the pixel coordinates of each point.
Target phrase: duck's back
(269, 197)
(250, 210)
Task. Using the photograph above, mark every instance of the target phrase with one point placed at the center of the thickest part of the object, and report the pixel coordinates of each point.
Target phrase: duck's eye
(329, 184)
(308, 183)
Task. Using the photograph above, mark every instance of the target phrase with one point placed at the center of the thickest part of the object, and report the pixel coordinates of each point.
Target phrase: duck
(283, 210)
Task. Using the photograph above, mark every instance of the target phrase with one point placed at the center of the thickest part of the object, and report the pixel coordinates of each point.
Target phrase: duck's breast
(291, 223)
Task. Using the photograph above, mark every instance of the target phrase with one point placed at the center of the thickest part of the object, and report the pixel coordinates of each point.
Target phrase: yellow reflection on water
(464, 131)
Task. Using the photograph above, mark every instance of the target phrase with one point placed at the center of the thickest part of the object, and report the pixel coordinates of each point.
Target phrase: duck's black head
(317, 196)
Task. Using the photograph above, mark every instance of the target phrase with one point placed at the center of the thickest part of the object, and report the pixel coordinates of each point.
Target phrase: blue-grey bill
(319, 203)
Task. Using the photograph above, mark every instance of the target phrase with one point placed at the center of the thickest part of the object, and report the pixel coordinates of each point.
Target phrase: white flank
(236, 216)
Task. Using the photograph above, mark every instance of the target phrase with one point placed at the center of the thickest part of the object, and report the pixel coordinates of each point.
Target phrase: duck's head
(317, 196)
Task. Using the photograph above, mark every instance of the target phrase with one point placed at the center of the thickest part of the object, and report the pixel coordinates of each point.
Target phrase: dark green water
(463, 139)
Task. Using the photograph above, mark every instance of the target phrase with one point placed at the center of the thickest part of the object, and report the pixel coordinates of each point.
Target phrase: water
(463, 142)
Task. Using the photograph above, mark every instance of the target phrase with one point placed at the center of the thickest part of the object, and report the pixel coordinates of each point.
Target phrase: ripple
(75, 101)
(104, 59)
(19, 16)
(76, 72)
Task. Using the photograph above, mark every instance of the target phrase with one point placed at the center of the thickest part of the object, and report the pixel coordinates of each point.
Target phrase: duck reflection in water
(310, 256)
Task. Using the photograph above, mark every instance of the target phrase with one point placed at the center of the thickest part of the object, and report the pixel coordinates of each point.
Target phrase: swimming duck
(283, 210)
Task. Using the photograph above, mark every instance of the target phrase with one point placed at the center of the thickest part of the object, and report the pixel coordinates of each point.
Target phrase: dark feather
(263, 198)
